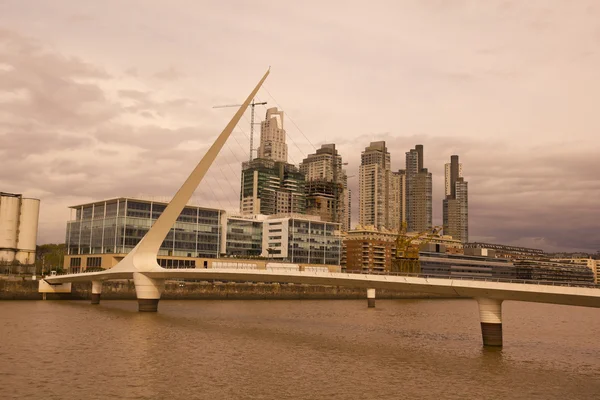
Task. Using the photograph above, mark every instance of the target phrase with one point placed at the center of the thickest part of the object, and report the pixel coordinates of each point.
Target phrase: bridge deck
(519, 290)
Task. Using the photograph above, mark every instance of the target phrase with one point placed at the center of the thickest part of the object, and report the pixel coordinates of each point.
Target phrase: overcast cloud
(114, 98)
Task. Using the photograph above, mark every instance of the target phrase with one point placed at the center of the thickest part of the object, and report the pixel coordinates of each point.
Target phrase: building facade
(448, 176)
(19, 225)
(326, 185)
(380, 190)
(272, 137)
(456, 204)
(117, 225)
(243, 237)
(271, 187)
(302, 239)
(504, 251)
(370, 250)
(396, 208)
(100, 234)
(419, 192)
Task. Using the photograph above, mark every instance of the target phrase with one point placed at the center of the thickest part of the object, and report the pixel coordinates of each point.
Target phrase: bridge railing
(432, 276)
(479, 278)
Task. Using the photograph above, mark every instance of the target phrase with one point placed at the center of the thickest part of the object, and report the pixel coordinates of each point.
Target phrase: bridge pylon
(371, 298)
(96, 291)
(490, 315)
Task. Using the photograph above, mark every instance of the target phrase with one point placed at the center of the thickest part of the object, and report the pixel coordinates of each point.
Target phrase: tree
(50, 257)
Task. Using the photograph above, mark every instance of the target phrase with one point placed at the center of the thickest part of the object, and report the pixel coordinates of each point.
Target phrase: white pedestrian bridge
(489, 292)
(149, 278)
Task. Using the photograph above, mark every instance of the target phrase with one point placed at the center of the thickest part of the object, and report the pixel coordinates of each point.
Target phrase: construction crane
(407, 252)
(253, 104)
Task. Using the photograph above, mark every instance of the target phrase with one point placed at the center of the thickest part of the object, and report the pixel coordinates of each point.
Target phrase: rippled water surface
(419, 349)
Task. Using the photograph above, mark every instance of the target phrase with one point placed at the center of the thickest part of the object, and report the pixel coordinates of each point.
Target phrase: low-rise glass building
(117, 226)
(243, 237)
(100, 234)
(302, 239)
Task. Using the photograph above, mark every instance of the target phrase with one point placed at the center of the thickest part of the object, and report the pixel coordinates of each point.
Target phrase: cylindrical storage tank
(28, 228)
(9, 222)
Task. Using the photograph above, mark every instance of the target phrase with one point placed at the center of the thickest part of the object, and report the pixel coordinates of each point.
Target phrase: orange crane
(407, 252)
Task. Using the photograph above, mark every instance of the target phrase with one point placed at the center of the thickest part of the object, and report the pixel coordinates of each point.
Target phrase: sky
(115, 98)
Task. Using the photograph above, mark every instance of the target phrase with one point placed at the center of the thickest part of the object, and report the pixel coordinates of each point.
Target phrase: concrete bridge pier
(148, 292)
(96, 291)
(490, 314)
(370, 298)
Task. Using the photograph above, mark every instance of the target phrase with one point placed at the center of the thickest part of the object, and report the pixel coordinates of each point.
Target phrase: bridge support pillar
(490, 314)
(96, 291)
(148, 292)
(370, 298)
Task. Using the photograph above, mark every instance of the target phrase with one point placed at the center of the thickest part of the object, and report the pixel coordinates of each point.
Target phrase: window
(76, 262)
(93, 262)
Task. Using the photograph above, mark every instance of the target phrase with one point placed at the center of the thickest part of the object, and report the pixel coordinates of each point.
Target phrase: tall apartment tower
(397, 199)
(419, 197)
(272, 137)
(380, 189)
(326, 185)
(456, 203)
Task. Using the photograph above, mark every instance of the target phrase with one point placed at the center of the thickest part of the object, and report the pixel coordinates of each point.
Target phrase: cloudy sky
(100, 99)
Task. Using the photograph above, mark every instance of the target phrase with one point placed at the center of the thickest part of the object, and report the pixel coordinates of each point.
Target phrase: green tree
(50, 257)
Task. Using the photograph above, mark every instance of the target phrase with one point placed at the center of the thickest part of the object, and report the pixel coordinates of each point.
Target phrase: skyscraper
(456, 203)
(380, 189)
(419, 199)
(326, 185)
(272, 137)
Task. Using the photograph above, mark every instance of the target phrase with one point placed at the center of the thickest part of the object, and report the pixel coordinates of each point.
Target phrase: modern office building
(380, 189)
(504, 251)
(326, 185)
(243, 237)
(302, 239)
(117, 225)
(456, 203)
(271, 187)
(588, 262)
(554, 271)
(272, 137)
(18, 228)
(100, 234)
(419, 196)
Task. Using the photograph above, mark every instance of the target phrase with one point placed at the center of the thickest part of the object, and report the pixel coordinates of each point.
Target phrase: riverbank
(11, 289)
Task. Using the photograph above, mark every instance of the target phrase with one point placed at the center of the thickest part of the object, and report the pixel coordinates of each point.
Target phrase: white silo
(28, 228)
(9, 223)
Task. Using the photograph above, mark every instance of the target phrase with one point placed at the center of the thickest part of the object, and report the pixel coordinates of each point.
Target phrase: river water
(402, 349)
